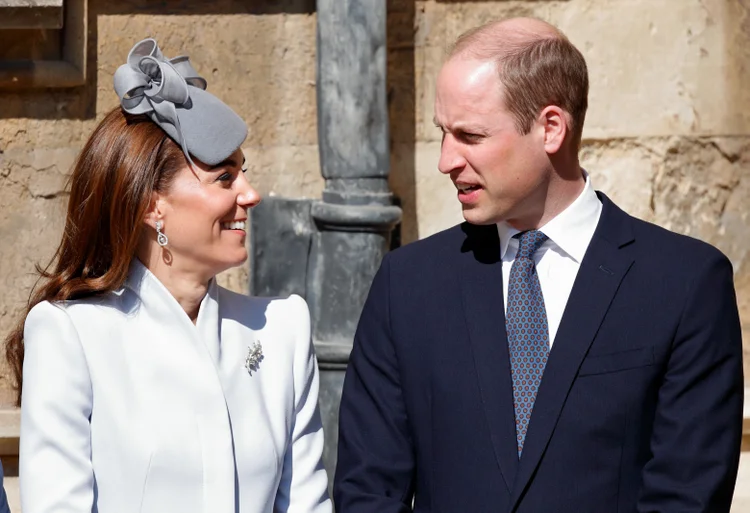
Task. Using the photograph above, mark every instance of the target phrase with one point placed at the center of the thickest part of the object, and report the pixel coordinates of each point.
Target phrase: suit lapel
(482, 296)
(605, 264)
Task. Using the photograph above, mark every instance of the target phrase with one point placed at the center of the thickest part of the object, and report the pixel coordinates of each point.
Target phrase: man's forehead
(469, 85)
(468, 77)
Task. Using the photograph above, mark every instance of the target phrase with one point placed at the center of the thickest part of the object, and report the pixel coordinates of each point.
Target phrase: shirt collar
(571, 230)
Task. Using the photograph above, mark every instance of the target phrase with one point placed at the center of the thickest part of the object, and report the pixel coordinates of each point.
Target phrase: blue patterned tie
(528, 334)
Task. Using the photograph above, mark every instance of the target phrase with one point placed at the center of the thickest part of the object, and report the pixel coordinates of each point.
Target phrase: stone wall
(667, 135)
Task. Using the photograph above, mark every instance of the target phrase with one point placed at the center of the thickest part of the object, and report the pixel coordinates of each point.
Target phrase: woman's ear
(155, 210)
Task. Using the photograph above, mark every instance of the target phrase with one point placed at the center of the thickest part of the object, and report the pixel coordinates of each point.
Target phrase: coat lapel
(482, 295)
(605, 264)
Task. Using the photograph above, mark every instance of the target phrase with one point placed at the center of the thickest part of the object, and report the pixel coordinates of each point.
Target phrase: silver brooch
(254, 357)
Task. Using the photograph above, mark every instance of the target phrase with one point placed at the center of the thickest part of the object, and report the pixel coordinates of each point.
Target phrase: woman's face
(205, 216)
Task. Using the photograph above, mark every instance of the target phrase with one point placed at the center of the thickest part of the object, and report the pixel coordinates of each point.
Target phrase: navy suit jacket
(3, 497)
(640, 405)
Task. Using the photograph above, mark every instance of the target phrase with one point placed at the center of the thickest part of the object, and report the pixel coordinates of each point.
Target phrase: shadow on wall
(402, 113)
(80, 102)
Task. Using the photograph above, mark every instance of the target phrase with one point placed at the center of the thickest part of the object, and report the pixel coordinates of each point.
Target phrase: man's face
(500, 174)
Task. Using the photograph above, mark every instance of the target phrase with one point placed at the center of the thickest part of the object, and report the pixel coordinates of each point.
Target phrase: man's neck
(558, 196)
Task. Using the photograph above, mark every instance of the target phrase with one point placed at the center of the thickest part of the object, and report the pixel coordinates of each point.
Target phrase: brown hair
(124, 161)
(536, 70)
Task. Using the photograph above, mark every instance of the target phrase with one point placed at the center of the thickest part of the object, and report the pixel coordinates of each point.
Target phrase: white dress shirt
(559, 258)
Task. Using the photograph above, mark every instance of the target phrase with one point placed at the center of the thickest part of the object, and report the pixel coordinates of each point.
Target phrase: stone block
(624, 170)
(657, 68)
(291, 171)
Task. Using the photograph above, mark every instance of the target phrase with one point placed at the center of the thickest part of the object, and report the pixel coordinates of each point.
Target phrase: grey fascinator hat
(173, 95)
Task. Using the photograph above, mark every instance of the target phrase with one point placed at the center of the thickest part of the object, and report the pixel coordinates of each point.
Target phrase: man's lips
(467, 188)
(468, 193)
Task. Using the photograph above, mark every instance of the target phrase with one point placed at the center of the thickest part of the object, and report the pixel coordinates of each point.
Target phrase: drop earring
(161, 237)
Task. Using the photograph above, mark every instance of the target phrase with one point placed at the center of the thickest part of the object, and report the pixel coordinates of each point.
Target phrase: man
(552, 354)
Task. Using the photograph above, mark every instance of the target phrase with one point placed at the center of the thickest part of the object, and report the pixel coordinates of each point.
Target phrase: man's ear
(155, 211)
(554, 120)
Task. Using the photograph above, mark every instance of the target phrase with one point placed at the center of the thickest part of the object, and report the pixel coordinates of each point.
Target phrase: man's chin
(477, 217)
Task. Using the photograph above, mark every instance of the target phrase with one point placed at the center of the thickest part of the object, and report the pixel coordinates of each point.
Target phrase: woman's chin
(229, 261)
(239, 258)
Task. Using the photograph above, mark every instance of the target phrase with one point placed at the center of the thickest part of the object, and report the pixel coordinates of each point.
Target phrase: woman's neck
(188, 288)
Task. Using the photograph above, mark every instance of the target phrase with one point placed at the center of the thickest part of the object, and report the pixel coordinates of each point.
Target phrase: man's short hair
(536, 70)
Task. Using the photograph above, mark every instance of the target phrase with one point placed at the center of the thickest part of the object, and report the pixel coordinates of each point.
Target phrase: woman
(146, 386)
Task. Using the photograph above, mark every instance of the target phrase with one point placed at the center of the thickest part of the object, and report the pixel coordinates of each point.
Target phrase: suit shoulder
(666, 245)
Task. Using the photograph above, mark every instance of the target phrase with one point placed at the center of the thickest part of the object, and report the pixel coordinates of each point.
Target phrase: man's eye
(244, 169)
(469, 137)
(225, 177)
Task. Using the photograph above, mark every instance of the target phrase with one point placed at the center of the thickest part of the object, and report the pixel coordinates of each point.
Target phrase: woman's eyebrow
(230, 162)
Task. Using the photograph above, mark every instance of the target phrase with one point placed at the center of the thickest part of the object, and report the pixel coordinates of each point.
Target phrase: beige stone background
(667, 134)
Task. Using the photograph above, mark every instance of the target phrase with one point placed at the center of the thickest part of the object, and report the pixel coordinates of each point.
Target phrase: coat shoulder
(81, 312)
(657, 247)
(278, 318)
(292, 307)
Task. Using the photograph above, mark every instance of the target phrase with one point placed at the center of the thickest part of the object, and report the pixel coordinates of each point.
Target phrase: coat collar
(161, 305)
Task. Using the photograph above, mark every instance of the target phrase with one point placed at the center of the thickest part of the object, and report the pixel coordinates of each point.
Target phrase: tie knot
(529, 242)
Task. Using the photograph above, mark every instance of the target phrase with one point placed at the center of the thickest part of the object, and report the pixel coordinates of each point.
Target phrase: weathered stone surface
(662, 68)
(30, 226)
(625, 171)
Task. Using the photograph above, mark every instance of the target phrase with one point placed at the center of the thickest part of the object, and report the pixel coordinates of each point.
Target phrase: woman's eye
(225, 177)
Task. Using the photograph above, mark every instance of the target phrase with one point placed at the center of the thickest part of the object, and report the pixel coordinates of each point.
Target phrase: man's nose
(451, 158)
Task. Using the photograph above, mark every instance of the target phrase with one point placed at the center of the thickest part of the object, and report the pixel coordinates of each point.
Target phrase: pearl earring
(161, 238)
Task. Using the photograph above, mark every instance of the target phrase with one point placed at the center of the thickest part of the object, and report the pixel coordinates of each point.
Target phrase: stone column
(356, 215)
(329, 250)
